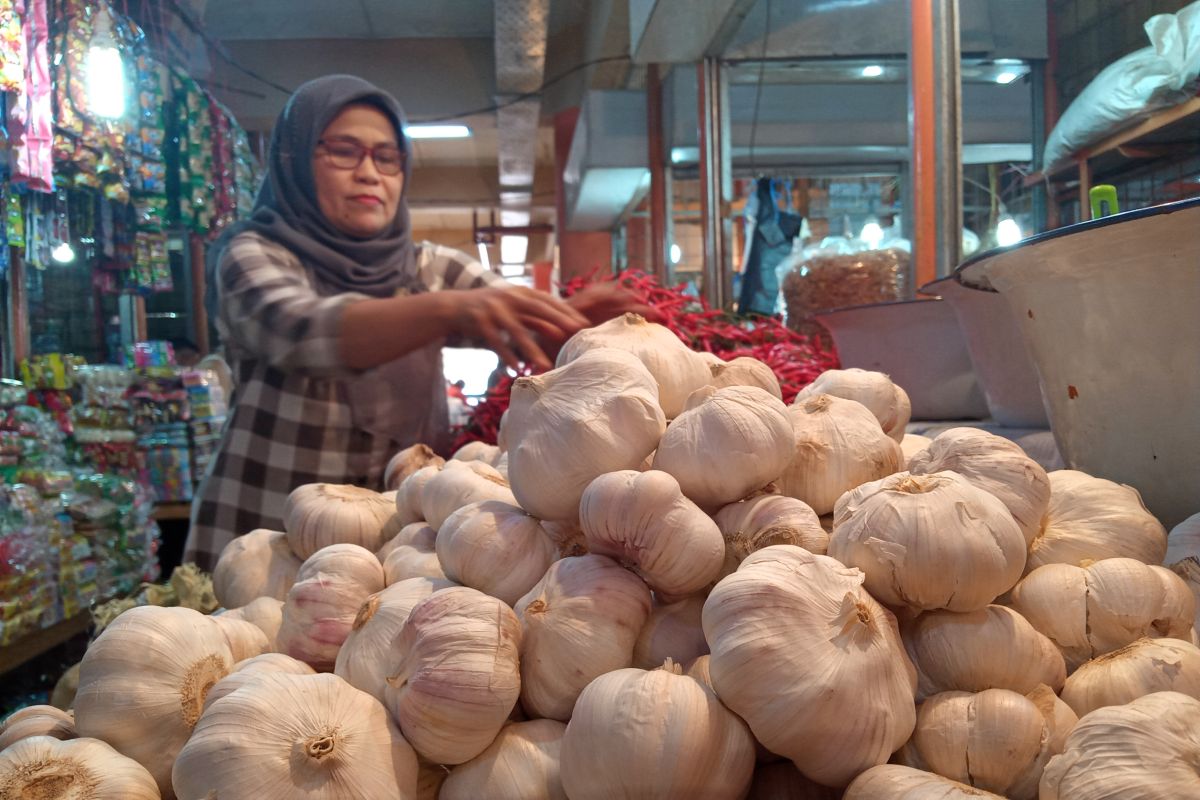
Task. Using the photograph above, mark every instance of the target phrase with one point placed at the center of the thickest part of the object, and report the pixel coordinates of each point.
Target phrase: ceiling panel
(360, 19)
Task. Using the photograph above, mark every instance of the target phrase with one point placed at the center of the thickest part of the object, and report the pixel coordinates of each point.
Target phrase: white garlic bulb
(250, 670)
(245, 639)
(674, 631)
(639, 734)
(413, 555)
(898, 782)
(88, 769)
(993, 648)
(996, 465)
(838, 446)
(408, 496)
(1093, 610)
(1090, 519)
(643, 520)
(408, 461)
(142, 683)
(40, 720)
(911, 445)
(295, 736)
(320, 609)
(677, 371)
(886, 401)
(811, 661)
(1138, 669)
(317, 515)
(266, 613)
(496, 548)
(768, 519)
(1183, 541)
(1189, 571)
(597, 414)
(478, 451)
(461, 483)
(521, 764)
(454, 676)
(725, 444)
(928, 541)
(1145, 749)
(259, 564)
(363, 659)
(744, 371)
(579, 622)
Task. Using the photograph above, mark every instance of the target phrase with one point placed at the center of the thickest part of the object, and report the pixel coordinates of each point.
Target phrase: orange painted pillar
(580, 253)
(924, 147)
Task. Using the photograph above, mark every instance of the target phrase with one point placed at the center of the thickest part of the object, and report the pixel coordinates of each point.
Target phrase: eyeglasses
(348, 154)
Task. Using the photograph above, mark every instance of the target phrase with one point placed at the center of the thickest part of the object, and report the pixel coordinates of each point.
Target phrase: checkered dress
(292, 421)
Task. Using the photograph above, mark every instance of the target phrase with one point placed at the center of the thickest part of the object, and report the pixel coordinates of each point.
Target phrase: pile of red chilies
(796, 359)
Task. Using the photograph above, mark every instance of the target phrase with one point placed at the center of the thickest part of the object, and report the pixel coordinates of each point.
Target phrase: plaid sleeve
(270, 308)
(446, 268)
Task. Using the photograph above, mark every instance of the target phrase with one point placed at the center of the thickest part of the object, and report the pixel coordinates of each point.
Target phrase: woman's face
(361, 201)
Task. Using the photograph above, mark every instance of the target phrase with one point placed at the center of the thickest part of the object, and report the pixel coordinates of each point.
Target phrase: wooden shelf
(172, 511)
(35, 644)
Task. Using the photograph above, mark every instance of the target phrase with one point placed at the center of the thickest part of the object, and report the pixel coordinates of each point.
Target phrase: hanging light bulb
(63, 253)
(872, 234)
(1008, 232)
(676, 253)
(105, 69)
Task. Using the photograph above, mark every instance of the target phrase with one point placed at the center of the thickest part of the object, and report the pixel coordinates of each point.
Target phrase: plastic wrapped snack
(820, 279)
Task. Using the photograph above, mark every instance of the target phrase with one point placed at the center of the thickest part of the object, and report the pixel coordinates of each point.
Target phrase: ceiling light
(676, 253)
(437, 131)
(63, 253)
(1008, 232)
(872, 234)
(513, 249)
(1007, 77)
(872, 71)
(105, 70)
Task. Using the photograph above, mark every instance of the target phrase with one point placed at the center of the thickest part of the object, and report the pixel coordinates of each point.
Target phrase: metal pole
(948, 135)
(196, 254)
(658, 173)
(1037, 82)
(18, 308)
(715, 182)
(921, 123)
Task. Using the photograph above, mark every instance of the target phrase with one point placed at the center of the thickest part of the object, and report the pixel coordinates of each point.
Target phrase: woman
(334, 319)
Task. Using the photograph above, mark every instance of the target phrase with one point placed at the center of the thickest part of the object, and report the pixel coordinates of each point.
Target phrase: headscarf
(286, 209)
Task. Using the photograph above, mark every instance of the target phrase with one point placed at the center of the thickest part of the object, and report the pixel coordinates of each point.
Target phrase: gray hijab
(286, 209)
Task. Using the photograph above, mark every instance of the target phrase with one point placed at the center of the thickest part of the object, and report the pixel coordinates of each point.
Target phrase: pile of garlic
(664, 583)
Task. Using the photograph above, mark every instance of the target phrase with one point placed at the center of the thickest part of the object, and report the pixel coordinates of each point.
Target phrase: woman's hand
(602, 301)
(506, 320)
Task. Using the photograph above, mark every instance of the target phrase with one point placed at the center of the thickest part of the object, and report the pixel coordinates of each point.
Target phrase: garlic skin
(1145, 749)
(926, 542)
(996, 465)
(597, 414)
(317, 515)
(676, 370)
(36, 721)
(1189, 571)
(766, 520)
(408, 461)
(580, 621)
(408, 496)
(250, 670)
(521, 764)
(780, 780)
(643, 520)
(725, 444)
(1059, 717)
(911, 445)
(461, 483)
(454, 675)
(811, 661)
(838, 447)
(245, 639)
(744, 371)
(320, 609)
(266, 613)
(496, 548)
(259, 564)
(1138, 669)
(1093, 610)
(993, 648)
(79, 769)
(142, 683)
(897, 782)
(363, 659)
(413, 555)
(296, 736)
(1090, 519)
(478, 451)
(886, 401)
(639, 734)
(674, 631)
(568, 538)
(1183, 541)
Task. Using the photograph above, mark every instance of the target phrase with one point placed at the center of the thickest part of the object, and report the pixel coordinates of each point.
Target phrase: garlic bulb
(597, 414)
(1093, 610)
(317, 515)
(995, 740)
(478, 451)
(725, 444)
(1059, 716)
(265, 612)
(897, 782)
(408, 461)
(363, 660)
(677, 371)
(413, 556)
(780, 780)
(296, 736)
(142, 683)
(838, 446)
(765, 520)
(408, 496)
(993, 648)
(454, 675)
(80, 769)
(521, 764)
(461, 483)
(1090, 519)
(578, 623)
(674, 631)
(996, 465)
(886, 401)
(568, 538)
(1183, 541)
(1138, 669)
(1189, 571)
(811, 661)
(259, 564)
(638, 734)
(36, 721)
(911, 445)
(496, 548)
(320, 609)
(643, 520)
(744, 371)
(1145, 749)
(250, 670)
(245, 639)
(928, 541)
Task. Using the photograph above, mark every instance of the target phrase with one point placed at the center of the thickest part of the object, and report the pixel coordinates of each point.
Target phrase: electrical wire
(762, 66)
(195, 27)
